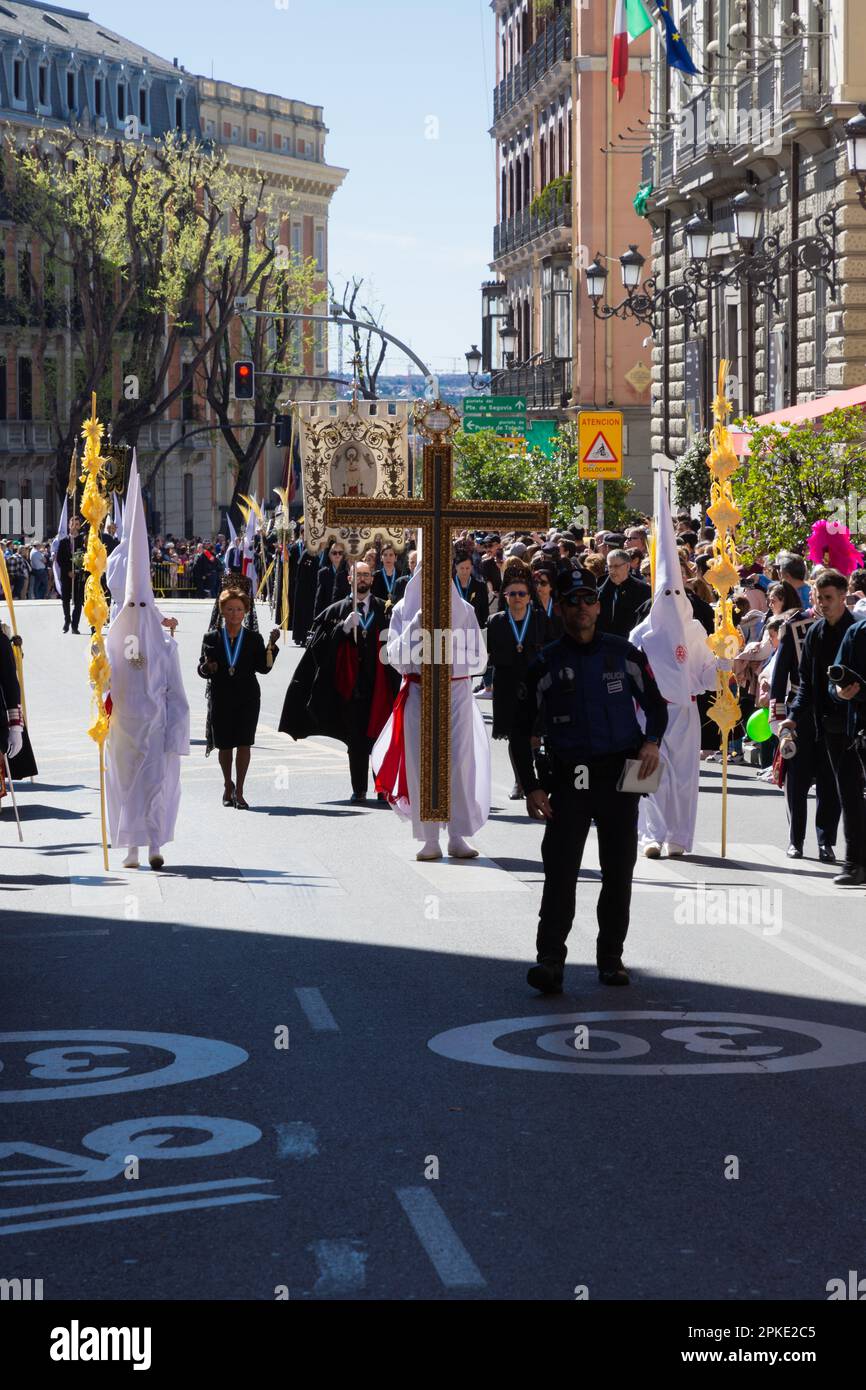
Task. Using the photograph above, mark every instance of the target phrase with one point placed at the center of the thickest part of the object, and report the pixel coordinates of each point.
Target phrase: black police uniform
(586, 693)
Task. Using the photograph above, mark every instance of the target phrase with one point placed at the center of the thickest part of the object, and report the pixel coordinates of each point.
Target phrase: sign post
(504, 414)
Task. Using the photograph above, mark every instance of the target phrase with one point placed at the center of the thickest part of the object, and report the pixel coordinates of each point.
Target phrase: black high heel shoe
(229, 796)
(240, 803)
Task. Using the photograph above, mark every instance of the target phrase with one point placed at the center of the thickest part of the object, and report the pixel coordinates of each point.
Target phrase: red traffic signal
(245, 380)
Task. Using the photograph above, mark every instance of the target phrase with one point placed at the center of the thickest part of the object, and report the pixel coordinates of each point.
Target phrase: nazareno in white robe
(149, 723)
(470, 746)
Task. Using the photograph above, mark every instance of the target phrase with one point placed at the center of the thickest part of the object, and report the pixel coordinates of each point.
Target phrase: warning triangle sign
(600, 451)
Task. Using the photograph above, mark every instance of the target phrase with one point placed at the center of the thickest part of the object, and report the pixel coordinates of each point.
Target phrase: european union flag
(678, 54)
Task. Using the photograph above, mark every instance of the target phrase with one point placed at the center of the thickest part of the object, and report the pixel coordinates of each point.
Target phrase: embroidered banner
(352, 451)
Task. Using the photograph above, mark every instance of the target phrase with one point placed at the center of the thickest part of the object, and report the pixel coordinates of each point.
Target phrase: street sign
(504, 414)
(600, 444)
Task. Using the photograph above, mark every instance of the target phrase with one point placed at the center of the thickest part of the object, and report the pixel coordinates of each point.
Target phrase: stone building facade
(765, 118)
(60, 68)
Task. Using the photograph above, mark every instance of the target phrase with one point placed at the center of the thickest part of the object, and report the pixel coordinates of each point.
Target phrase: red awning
(809, 410)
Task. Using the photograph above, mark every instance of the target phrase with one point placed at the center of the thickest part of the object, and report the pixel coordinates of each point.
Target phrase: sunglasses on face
(588, 600)
(517, 593)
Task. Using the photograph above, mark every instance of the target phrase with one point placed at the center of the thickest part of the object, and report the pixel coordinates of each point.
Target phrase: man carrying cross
(435, 643)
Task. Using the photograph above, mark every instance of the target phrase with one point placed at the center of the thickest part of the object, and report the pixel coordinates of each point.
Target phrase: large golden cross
(439, 514)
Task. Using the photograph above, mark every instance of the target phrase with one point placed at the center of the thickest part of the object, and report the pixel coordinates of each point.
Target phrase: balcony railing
(767, 86)
(545, 384)
(803, 75)
(525, 226)
(666, 159)
(23, 436)
(24, 313)
(553, 45)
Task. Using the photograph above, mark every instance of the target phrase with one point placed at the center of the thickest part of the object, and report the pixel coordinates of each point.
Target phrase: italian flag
(629, 22)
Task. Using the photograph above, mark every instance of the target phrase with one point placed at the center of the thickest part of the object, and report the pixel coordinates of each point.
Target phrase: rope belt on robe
(393, 767)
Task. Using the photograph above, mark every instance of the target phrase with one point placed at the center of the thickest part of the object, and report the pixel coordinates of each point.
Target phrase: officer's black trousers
(848, 774)
(615, 815)
(810, 764)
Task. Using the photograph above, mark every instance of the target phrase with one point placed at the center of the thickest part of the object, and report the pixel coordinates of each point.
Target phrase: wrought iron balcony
(545, 384)
(525, 226)
(553, 45)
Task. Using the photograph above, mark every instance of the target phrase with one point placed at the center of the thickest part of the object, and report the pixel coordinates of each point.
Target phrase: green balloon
(758, 726)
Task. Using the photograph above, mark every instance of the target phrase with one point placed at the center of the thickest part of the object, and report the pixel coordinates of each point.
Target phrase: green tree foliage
(493, 469)
(796, 475)
(692, 476)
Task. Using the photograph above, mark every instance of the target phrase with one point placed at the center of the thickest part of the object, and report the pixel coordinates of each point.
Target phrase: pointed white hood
(665, 636)
(115, 572)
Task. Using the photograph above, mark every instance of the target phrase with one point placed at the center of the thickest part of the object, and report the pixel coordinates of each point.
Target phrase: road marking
(813, 885)
(50, 935)
(133, 1196)
(777, 939)
(297, 1139)
(450, 1258)
(95, 1216)
(342, 1266)
(317, 1011)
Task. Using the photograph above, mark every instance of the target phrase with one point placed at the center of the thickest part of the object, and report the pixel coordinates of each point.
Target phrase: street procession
(436, 783)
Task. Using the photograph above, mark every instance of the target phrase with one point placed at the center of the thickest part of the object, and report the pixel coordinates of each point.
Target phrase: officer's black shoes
(850, 878)
(613, 975)
(794, 852)
(826, 854)
(546, 976)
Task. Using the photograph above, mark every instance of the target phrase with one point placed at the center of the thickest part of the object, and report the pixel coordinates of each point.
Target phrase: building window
(43, 84)
(236, 134)
(320, 248)
(25, 388)
(71, 94)
(143, 106)
(187, 403)
(121, 101)
(18, 79)
(562, 311)
(178, 113)
(3, 396)
(253, 139)
(319, 340)
(296, 241)
(97, 96)
(2, 272)
(188, 514)
(25, 285)
(278, 140)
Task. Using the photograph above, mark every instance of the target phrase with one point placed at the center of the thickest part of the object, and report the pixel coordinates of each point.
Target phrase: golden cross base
(440, 515)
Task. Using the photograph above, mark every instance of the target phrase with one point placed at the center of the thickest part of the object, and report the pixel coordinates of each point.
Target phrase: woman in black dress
(231, 655)
(515, 635)
(333, 582)
(542, 585)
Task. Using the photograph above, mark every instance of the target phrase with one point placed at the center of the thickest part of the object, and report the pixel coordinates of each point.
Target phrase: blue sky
(415, 215)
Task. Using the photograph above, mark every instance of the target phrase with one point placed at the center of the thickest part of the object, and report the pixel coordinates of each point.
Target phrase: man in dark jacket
(585, 685)
(73, 576)
(815, 717)
(341, 688)
(620, 596)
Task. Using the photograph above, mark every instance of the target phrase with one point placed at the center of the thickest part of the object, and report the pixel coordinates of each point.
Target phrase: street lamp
(855, 134)
(698, 234)
(596, 277)
(508, 336)
(473, 361)
(631, 263)
(748, 209)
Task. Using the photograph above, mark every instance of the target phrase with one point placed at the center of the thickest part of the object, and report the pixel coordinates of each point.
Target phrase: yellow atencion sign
(600, 444)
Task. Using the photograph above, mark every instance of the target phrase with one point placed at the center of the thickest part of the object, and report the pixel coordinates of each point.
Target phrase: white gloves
(349, 624)
(16, 740)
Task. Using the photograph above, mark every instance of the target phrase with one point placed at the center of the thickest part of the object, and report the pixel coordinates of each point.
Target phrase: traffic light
(245, 380)
(283, 425)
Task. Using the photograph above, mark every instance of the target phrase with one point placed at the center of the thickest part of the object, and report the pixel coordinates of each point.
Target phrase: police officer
(584, 686)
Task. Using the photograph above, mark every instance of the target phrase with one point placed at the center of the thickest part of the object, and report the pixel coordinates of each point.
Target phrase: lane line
(297, 1139)
(318, 1014)
(342, 1266)
(50, 935)
(448, 1254)
(142, 1196)
(95, 1216)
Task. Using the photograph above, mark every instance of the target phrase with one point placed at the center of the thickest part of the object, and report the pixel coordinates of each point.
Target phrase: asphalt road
(296, 1063)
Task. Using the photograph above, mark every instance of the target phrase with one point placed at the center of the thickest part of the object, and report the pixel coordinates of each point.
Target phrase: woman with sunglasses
(333, 582)
(542, 588)
(515, 636)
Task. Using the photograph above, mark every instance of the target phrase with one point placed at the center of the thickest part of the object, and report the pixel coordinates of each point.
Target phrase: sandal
(229, 795)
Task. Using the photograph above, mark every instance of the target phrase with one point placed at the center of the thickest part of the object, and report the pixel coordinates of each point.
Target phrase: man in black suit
(620, 596)
(341, 688)
(73, 577)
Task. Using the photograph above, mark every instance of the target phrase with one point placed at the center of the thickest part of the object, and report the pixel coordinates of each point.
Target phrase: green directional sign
(504, 414)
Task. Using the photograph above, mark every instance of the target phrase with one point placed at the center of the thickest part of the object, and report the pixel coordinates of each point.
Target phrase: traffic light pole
(431, 379)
